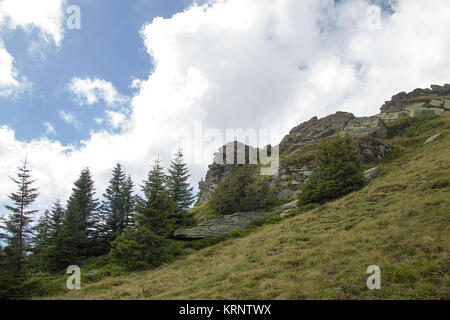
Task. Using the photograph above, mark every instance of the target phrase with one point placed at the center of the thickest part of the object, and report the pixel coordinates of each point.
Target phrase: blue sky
(108, 46)
(66, 100)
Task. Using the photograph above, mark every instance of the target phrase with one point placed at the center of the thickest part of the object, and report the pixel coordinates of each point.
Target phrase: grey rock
(432, 138)
(416, 103)
(220, 227)
(338, 123)
(446, 104)
(288, 206)
(371, 173)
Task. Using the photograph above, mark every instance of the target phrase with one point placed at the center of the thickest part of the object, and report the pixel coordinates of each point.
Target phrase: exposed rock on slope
(420, 102)
(340, 122)
(365, 128)
(220, 227)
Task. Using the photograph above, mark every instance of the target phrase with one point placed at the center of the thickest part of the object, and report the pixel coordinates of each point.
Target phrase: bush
(136, 249)
(340, 172)
(242, 191)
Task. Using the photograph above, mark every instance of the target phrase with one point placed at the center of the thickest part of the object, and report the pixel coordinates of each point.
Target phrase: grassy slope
(399, 222)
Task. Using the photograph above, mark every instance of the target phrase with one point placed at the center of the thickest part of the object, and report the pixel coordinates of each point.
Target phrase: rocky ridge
(419, 102)
(366, 130)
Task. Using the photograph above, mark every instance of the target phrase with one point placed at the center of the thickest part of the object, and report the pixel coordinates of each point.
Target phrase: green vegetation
(321, 250)
(398, 221)
(242, 191)
(339, 173)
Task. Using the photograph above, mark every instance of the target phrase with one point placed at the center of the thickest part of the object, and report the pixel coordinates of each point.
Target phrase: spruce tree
(81, 233)
(113, 205)
(129, 203)
(48, 232)
(17, 226)
(156, 216)
(340, 172)
(157, 211)
(178, 186)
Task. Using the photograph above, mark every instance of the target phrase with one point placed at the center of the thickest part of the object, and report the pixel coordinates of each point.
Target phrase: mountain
(398, 221)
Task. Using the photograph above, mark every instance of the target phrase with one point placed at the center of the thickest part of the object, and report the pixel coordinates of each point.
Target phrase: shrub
(339, 173)
(136, 249)
(242, 191)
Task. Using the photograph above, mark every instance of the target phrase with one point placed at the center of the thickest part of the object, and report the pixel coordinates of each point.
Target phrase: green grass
(399, 222)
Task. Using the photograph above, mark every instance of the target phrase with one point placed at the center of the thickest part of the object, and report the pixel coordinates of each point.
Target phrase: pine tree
(113, 205)
(48, 232)
(157, 211)
(129, 203)
(18, 224)
(156, 216)
(178, 186)
(339, 173)
(81, 232)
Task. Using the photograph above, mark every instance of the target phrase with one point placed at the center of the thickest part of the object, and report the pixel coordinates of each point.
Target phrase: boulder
(371, 173)
(220, 227)
(432, 138)
(288, 206)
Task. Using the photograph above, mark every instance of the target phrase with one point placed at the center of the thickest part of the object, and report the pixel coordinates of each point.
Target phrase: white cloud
(91, 91)
(8, 73)
(116, 119)
(49, 129)
(69, 118)
(248, 64)
(46, 16)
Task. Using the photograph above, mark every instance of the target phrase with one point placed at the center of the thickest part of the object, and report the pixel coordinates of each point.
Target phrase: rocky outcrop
(420, 102)
(234, 154)
(340, 122)
(220, 227)
(366, 128)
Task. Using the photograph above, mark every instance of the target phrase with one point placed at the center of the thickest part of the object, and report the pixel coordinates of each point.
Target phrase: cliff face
(365, 130)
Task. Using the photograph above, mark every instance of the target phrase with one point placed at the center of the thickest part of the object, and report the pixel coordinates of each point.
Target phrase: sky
(140, 78)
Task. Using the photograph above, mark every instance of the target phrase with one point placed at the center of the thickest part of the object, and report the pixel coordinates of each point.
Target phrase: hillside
(399, 222)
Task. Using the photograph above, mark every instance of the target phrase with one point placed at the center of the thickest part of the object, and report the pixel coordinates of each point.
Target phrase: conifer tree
(81, 233)
(48, 232)
(157, 211)
(178, 186)
(17, 226)
(156, 216)
(113, 205)
(129, 203)
(340, 172)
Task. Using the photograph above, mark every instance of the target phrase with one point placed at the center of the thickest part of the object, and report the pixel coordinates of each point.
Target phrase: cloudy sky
(142, 77)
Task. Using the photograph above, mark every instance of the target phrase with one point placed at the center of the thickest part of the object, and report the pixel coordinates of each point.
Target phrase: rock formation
(220, 227)
(340, 122)
(420, 102)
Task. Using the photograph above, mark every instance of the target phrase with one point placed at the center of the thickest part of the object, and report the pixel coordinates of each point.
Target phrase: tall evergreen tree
(157, 211)
(81, 233)
(48, 235)
(178, 186)
(156, 216)
(113, 205)
(129, 202)
(17, 225)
